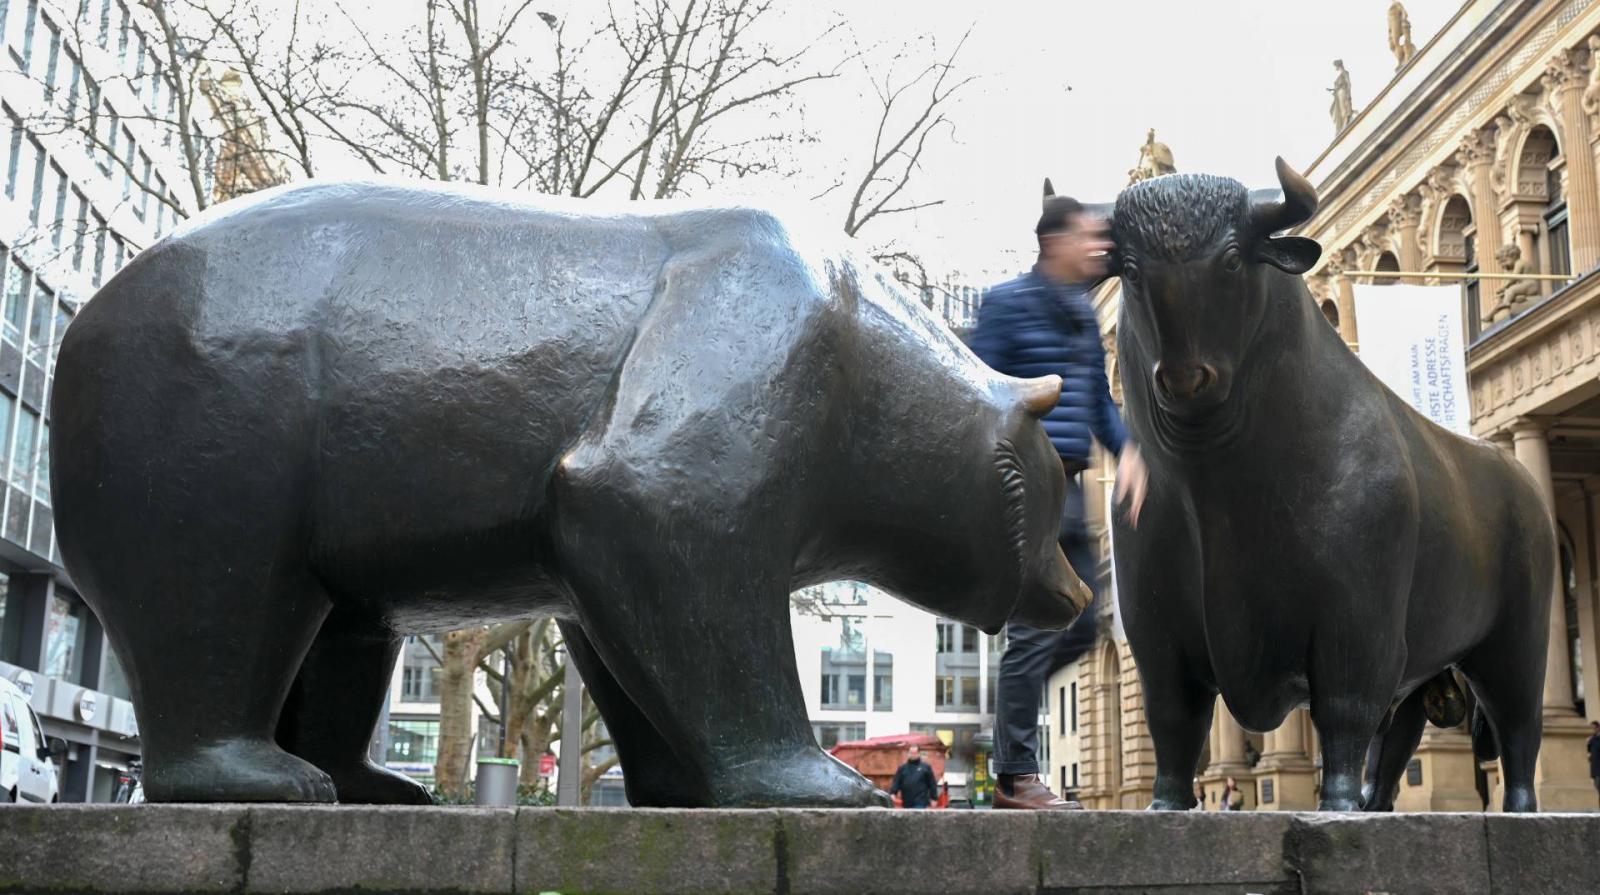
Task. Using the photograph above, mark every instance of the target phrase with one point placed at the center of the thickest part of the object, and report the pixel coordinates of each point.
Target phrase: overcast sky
(1069, 88)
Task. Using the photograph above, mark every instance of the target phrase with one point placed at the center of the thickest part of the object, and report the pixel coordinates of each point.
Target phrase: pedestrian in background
(914, 782)
(1232, 798)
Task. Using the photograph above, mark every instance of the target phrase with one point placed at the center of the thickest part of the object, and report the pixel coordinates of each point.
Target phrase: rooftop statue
(1341, 110)
(1155, 159)
(1400, 35)
(322, 417)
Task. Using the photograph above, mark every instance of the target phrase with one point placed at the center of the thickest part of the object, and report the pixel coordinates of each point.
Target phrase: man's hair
(1058, 215)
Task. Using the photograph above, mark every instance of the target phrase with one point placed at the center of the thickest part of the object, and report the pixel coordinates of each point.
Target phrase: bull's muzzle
(1185, 382)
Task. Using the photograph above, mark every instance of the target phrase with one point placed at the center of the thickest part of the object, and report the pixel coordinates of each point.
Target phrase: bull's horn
(1038, 396)
(1273, 211)
(1049, 190)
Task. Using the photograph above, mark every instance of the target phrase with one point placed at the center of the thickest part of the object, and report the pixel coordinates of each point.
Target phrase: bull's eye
(1131, 275)
(1231, 262)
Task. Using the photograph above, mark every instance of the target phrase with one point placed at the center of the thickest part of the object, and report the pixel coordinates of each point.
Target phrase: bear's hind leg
(654, 775)
(331, 712)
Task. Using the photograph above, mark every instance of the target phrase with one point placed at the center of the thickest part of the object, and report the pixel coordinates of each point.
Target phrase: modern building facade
(871, 665)
(71, 213)
(1484, 140)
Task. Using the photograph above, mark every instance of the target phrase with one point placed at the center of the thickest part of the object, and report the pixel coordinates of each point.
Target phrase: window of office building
(8, 641)
(18, 283)
(830, 734)
(956, 673)
(962, 740)
(419, 671)
(22, 452)
(882, 681)
(114, 678)
(29, 25)
(64, 635)
(13, 152)
(413, 741)
(844, 669)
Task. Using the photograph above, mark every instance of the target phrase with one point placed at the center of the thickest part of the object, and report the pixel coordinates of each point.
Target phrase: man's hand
(1133, 481)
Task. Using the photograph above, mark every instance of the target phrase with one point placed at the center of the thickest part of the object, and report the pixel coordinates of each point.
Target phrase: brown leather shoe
(1029, 793)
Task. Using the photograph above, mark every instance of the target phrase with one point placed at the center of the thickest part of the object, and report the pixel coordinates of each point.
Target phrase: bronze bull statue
(1308, 537)
(322, 417)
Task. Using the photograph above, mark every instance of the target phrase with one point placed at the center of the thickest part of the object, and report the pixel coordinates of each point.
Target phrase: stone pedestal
(1227, 760)
(1286, 778)
(1562, 777)
(1449, 780)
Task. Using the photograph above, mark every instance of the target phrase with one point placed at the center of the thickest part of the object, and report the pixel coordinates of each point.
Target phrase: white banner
(1412, 338)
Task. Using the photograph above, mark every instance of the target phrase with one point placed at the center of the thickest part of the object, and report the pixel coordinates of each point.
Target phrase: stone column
(1286, 769)
(1563, 774)
(1533, 450)
(1345, 297)
(1404, 217)
(1227, 759)
(1564, 79)
(1476, 160)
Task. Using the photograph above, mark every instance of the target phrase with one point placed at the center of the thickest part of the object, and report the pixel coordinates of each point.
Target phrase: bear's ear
(1049, 191)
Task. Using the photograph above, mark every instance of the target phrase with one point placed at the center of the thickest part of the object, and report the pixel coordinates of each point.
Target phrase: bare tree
(662, 124)
(912, 110)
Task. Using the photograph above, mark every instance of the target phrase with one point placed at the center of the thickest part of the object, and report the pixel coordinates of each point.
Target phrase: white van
(27, 761)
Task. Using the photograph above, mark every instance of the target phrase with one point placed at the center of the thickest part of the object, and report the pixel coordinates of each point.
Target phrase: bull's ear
(1049, 189)
(1293, 254)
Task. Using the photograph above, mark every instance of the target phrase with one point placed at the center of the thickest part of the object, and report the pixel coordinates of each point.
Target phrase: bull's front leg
(1157, 575)
(1353, 680)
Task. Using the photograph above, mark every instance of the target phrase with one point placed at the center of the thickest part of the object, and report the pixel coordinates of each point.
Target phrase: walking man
(914, 781)
(1037, 324)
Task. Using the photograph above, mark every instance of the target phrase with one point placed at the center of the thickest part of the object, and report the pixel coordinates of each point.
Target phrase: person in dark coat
(1594, 754)
(1042, 323)
(914, 782)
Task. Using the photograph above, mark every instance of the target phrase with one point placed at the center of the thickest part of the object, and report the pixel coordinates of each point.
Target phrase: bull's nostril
(1185, 382)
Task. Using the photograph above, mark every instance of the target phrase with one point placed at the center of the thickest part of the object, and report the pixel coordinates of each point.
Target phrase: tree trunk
(458, 672)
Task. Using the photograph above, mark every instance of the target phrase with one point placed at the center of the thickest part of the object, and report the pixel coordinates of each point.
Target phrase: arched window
(1386, 261)
(1454, 245)
(1330, 311)
(1540, 168)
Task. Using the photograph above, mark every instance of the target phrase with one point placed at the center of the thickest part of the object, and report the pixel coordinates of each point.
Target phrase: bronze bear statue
(321, 417)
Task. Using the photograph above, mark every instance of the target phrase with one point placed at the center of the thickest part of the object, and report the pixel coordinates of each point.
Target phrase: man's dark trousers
(1031, 654)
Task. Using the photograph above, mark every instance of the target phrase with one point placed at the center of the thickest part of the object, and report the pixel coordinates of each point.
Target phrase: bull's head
(1198, 259)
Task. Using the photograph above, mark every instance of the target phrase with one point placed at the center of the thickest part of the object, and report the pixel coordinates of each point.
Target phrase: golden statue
(1155, 159)
(1400, 35)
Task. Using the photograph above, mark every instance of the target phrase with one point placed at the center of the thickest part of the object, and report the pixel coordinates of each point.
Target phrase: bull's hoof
(235, 771)
(370, 784)
(1171, 805)
(1339, 805)
(1520, 798)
